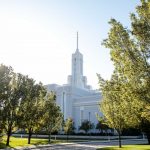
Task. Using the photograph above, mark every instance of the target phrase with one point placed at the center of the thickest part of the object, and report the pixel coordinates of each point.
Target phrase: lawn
(128, 147)
(21, 142)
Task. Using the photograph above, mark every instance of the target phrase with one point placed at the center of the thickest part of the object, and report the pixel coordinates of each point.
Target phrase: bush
(86, 126)
(131, 132)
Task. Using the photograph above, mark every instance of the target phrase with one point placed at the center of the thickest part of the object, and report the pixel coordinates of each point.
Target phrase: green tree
(86, 126)
(52, 119)
(101, 126)
(31, 109)
(11, 95)
(68, 127)
(5, 78)
(112, 105)
(130, 53)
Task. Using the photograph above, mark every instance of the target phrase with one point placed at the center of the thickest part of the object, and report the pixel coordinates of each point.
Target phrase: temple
(76, 99)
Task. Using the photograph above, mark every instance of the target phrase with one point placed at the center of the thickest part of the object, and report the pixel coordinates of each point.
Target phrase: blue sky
(37, 37)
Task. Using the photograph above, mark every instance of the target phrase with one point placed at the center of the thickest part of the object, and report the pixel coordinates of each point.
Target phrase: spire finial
(77, 40)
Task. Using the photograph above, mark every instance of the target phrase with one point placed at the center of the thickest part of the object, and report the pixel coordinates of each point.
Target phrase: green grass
(22, 142)
(128, 147)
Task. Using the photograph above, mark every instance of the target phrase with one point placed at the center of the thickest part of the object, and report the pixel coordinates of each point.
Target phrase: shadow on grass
(2, 145)
(39, 143)
(33, 142)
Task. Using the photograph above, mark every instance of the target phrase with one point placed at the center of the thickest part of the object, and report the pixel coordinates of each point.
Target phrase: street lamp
(89, 125)
(89, 116)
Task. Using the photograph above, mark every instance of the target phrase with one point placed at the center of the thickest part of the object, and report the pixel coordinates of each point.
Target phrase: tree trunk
(49, 140)
(8, 136)
(67, 137)
(29, 135)
(119, 139)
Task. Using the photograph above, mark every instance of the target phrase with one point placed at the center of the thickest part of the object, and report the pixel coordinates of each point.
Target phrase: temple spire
(77, 42)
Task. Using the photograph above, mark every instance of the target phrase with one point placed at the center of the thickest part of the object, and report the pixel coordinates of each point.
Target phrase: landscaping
(128, 147)
(22, 142)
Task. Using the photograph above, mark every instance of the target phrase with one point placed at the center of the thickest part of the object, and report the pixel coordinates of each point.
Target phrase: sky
(38, 37)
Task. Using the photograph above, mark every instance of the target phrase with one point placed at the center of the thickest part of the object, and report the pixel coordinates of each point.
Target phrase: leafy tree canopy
(126, 96)
(86, 126)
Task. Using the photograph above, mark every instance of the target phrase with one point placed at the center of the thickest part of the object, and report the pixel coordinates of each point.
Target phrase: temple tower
(76, 79)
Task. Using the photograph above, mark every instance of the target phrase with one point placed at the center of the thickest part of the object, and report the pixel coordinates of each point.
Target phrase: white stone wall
(88, 107)
(79, 104)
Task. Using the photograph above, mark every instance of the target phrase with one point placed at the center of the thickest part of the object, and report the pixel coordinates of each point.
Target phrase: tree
(130, 53)
(86, 126)
(31, 109)
(101, 126)
(5, 78)
(11, 95)
(112, 104)
(52, 119)
(69, 127)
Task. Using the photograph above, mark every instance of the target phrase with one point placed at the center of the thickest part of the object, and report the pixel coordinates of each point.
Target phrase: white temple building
(76, 99)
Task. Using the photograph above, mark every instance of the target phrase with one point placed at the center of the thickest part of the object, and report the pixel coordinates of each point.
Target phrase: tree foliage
(128, 90)
(5, 78)
(112, 104)
(86, 126)
(25, 104)
(52, 118)
(10, 95)
(32, 108)
(69, 127)
(101, 125)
